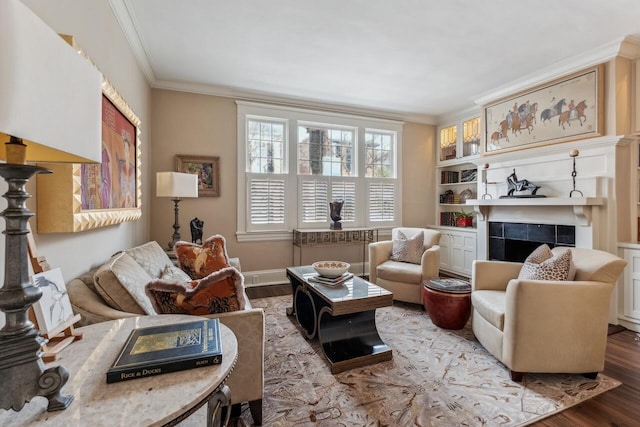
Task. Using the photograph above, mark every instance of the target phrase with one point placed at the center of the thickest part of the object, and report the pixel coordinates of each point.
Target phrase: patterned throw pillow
(407, 250)
(219, 292)
(543, 265)
(200, 261)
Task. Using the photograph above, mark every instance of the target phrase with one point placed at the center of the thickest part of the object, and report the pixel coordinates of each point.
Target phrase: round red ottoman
(447, 301)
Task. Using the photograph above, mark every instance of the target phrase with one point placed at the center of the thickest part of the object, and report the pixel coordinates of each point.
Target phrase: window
(266, 172)
(287, 181)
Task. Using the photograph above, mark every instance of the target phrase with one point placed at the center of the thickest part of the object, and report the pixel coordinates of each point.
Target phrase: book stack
(331, 281)
(449, 177)
(448, 219)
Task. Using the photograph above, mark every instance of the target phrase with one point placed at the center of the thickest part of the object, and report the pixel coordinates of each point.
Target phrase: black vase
(335, 208)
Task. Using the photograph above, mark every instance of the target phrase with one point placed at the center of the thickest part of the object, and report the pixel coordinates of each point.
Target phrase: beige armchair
(402, 278)
(545, 326)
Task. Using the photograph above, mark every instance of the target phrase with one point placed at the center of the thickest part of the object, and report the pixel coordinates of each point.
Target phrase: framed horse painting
(563, 110)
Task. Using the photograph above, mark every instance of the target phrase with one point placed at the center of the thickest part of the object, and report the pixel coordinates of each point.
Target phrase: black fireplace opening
(512, 241)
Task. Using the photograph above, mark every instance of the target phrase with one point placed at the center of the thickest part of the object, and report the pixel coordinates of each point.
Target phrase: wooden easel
(62, 335)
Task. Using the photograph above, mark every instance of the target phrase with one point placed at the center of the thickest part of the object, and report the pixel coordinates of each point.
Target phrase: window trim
(294, 116)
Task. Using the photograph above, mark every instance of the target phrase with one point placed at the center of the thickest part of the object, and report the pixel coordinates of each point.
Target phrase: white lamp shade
(176, 184)
(50, 95)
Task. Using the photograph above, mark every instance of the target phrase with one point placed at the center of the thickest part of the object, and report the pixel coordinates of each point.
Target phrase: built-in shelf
(581, 206)
(460, 183)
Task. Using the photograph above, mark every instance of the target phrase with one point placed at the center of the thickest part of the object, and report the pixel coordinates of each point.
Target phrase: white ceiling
(407, 58)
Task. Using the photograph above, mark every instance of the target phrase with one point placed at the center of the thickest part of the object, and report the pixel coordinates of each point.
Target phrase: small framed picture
(207, 169)
(54, 307)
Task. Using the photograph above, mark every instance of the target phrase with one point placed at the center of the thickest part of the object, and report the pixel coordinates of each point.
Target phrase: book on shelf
(468, 175)
(331, 281)
(162, 349)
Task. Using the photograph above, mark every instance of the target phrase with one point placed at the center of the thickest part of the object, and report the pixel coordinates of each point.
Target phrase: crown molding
(122, 11)
(630, 47)
(248, 95)
(596, 56)
(126, 19)
(468, 113)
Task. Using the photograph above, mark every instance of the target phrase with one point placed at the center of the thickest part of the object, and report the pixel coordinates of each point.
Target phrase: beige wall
(96, 30)
(202, 125)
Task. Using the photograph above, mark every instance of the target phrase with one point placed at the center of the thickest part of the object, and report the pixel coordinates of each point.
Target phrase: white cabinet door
(632, 284)
(636, 99)
(457, 251)
(445, 250)
(463, 252)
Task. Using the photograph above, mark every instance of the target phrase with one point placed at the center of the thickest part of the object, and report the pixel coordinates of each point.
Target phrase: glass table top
(352, 289)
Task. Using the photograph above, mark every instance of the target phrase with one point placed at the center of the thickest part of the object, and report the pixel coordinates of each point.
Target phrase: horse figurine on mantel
(518, 185)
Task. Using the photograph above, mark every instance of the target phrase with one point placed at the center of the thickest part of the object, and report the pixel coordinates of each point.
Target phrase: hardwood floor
(619, 407)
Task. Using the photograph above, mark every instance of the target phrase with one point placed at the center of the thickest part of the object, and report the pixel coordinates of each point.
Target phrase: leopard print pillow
(540, 254)
(540, 267)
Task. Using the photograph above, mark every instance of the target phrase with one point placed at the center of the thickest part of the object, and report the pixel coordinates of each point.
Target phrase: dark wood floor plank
(619, 407)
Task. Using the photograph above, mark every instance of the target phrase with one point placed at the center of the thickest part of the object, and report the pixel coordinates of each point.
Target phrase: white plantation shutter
(315, 200)
(346, 191)
(266, 203)
(381, 201)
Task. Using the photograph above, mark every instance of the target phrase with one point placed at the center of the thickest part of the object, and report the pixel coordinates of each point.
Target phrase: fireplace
(512, 241)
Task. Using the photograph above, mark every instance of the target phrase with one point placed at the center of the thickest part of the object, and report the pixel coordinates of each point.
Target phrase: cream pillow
(171, 272)
(407, 250)
(151, 257)
(121, 282)
(543, 265)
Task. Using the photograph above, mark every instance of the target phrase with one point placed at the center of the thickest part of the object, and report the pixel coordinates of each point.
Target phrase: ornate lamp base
(176, 224)
(22, 371)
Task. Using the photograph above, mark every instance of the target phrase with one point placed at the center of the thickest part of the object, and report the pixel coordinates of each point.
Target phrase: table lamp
(50, 111)
(176, 185)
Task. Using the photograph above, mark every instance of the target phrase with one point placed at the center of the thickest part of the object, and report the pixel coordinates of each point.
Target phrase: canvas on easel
(54, 307)
(52, 314)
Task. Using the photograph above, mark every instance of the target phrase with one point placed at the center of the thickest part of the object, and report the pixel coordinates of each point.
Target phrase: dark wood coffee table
(343, 318)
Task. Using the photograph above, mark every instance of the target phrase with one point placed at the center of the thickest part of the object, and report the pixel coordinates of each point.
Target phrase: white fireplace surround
(595, 216)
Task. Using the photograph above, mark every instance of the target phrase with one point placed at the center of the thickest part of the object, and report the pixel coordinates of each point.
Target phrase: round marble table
(152, 401)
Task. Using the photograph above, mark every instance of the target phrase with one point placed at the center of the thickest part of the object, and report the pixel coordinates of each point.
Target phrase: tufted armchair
(545, 326)
(402, 278)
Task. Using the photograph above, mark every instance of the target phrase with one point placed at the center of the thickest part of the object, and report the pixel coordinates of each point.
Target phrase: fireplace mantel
(581, 206)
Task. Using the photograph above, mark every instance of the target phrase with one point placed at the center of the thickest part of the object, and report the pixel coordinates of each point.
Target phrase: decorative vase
(335, 208)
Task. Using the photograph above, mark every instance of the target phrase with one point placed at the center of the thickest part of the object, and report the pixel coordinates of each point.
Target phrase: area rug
(436, 378)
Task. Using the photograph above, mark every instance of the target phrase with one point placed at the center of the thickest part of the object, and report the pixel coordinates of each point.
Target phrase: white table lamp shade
(176, 184)
(51, 95)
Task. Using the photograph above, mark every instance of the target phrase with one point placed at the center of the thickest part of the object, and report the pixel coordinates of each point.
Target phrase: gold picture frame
(562, 110)
(60, 197)
(208, 170)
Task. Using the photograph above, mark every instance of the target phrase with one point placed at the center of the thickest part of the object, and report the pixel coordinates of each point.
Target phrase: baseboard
(629, 325)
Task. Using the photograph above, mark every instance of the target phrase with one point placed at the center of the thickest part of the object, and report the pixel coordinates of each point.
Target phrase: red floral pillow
(199, 261)
(219, 292)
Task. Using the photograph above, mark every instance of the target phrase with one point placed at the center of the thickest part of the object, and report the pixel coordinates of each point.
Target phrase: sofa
(546, 326)
(116, 290)
(404, 277)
